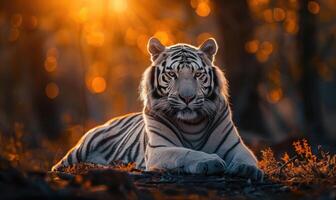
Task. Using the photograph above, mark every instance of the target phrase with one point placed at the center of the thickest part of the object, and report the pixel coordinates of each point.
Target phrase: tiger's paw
(245, 170)
(211, 165)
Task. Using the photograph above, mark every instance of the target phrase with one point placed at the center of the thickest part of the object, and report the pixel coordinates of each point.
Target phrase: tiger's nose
(187, 98)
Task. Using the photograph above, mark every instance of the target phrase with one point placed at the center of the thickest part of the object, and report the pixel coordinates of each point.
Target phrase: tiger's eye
(198, 74)
(172, 74)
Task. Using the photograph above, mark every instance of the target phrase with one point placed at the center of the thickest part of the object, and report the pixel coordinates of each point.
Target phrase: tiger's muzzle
(187, 102)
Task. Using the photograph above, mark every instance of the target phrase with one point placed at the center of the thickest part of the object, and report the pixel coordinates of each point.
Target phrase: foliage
(15, 148)
(303, 168)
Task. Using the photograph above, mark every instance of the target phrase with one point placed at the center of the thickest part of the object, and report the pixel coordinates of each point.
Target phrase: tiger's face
(183, 83)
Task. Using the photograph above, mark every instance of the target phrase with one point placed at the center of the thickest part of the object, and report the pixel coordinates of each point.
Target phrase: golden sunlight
(163, 37)
(118, 6)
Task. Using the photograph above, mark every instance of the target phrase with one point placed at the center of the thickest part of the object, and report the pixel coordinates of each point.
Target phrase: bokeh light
(313, 7)
(279, 14)
(98, 84)
(52, 90)
(275, 95)
(252, 46)
(203, 9)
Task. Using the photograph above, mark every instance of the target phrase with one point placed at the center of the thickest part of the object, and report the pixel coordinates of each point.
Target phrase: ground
(89, 181)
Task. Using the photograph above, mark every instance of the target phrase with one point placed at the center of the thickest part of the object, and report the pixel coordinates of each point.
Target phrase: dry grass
(83, 168)
(303, 168)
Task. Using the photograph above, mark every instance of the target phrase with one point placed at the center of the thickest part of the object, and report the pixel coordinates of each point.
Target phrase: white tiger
(185, 125)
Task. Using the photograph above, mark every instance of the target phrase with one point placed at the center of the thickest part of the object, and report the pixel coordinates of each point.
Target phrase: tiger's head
(183, 82)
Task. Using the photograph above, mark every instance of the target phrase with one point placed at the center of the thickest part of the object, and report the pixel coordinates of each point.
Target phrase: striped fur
(186, 123)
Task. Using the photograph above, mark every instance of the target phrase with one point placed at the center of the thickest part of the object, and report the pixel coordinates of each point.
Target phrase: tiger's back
(122, 138)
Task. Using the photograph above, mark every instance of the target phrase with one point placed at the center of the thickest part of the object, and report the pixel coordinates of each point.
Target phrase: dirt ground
(111, 182)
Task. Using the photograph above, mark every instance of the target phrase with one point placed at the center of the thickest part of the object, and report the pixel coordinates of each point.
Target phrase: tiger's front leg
(183, 159)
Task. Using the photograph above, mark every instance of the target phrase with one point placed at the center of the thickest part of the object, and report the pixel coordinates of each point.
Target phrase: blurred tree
(241, 68)
(26, 78)
(308, 56)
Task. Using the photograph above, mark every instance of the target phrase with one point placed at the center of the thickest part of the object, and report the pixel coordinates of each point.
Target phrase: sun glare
(118, 6)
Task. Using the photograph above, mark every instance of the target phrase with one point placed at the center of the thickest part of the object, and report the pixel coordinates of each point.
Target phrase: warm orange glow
(142, 42)
(33, 22)
(98, 68)
(50, 64)
(252, 46)
(266, 47)
(313, 7)
(262, 56)
(194, 3)
(279, 14)
(131, 36)
(95, 38)
(98, 84)
(257, 3)
(268, 15)
(202, 37)
(275, 95)
(119, 6)
(291, 26)
(52, 52)
(16, 20)
(82, 15)
(203, 9)
(13, 34)
(163, 37)
(52, 90)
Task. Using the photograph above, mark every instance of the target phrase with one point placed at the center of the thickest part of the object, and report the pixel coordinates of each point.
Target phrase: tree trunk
(307, 48)
(241, 68)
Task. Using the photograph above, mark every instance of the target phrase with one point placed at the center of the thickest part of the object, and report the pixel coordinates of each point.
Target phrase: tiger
(185, 125)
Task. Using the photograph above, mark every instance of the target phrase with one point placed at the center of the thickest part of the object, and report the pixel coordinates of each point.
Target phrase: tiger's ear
(154, 47)
(209, 47)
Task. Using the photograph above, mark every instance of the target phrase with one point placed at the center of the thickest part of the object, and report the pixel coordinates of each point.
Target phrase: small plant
(303, 168)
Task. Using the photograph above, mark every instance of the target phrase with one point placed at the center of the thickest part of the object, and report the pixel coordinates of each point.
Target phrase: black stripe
(88, 146)
(78, 154)
(120, 131)
(70, 159)
(225, 137)
(111, 149)
(173, 62)
(144, 139)
(175, 53)
(175, 57)
(136, 152)
(130, 146)
(162, 136)
(155, 146)
(128, 118)
(129, 133)
(214, 126)
(142, 161)
(230, 149)
(167, 123)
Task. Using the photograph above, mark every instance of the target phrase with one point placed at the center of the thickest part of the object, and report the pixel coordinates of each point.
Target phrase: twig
(285, 164)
